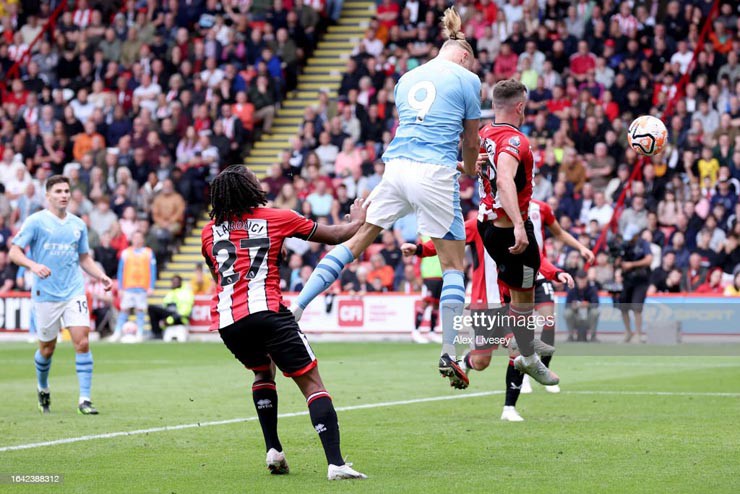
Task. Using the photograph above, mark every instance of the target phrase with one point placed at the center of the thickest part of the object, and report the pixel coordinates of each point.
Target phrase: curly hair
(234, 192)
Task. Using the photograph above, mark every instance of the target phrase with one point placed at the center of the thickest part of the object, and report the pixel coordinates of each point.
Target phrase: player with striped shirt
(58, 248)
(436, 102)
(490, 297)
(541, 216)
(242, 246)
(506, 182)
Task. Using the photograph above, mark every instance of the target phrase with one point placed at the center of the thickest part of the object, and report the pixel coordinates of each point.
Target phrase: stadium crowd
(141, 104)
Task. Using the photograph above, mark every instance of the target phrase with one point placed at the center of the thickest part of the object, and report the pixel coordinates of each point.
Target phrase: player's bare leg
(84, 366)
(324, 420)
(264, 395)
(627, 325)
(42, 360)
(641, 338)
(330, 267)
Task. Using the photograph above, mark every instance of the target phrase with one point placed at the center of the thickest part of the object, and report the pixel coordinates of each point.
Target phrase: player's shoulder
(76, 220)
(463, 74)
(280, 214)
(545, 210)
(37, 217)
(542, 206)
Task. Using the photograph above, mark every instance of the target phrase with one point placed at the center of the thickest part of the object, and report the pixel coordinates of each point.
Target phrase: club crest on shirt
(514, 141)
(78, 234)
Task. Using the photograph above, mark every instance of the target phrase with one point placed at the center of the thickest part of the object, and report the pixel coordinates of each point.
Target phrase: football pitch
(657, 422)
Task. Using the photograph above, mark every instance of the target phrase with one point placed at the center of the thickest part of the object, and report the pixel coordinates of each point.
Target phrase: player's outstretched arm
(88, 264)
(569, 240)
(17, 256)
(336, 234)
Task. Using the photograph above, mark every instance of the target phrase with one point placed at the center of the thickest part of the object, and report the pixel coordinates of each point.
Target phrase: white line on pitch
(656, 393)
(236, 421)
(343, 409)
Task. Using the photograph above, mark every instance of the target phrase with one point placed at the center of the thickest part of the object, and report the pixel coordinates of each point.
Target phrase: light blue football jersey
(432, 101)
(57, 244)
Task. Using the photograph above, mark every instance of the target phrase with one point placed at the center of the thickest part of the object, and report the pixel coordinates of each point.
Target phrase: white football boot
(511, 415)
(276, 463)
(344, 472)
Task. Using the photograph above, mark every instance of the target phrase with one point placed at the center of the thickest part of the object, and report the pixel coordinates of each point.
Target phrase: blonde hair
(452, 31)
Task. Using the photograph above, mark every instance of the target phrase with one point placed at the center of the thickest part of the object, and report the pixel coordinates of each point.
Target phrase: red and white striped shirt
(487, 290)
(245, 255)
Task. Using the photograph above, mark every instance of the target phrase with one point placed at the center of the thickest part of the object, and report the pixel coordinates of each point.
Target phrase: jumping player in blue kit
(436, 102)
(58, 248)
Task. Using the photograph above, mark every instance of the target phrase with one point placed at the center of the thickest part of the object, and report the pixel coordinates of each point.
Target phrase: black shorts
(518, 271)
(434, 290)
(265, 337)
(544, 293)
(633, 296)
(487, 337)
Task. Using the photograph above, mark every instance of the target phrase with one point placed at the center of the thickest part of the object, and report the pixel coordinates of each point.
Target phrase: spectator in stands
(600, 211)
(201, 283)
(362, 286)
(380, 271)
(713, 283)
(106, 255)
(635, 215)
(733, 289)
(101, 217)
(168, 209)
(7, 273)
(694, 275)
(391, 253)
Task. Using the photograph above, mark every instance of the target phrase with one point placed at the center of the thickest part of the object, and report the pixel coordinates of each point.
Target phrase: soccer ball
(647, 135)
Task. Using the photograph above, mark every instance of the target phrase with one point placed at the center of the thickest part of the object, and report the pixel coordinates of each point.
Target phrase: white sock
(449, 349)
(530, 359)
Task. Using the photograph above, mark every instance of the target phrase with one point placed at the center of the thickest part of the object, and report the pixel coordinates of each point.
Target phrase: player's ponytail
(452, 31)
(452, 25)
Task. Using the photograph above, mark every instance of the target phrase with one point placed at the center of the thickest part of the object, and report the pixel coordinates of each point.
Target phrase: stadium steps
(323, 71)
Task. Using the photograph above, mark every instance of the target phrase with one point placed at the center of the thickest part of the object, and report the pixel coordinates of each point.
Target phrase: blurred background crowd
(140, 103)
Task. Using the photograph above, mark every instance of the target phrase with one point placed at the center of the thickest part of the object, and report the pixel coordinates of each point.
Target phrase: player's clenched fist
(408, 250)
(41, 271)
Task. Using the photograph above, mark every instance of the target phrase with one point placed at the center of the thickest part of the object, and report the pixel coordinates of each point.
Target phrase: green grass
(572, 442)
